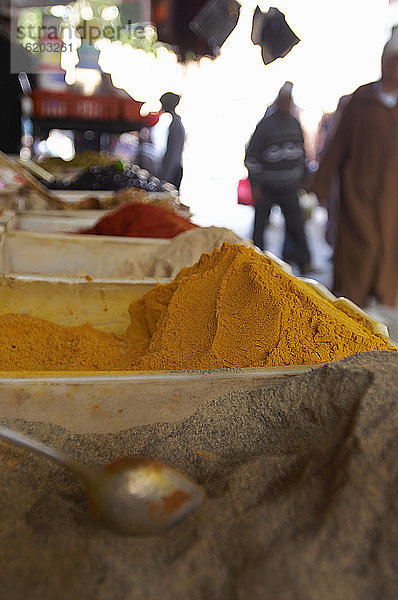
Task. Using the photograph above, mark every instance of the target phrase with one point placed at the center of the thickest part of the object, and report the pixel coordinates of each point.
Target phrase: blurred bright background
(223, 99)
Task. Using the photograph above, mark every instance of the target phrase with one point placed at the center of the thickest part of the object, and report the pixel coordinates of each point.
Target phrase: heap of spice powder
(233, 308)
(141, 220)
(32, 344)
(238, 308)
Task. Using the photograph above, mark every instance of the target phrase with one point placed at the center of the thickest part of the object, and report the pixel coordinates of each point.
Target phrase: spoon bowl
(139, 496)
(132, 496)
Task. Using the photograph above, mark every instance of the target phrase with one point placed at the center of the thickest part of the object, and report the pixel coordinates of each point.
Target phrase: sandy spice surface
(182, 251)
(301, 483)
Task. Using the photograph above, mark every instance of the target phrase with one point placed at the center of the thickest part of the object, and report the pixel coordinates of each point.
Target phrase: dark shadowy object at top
(194, 28)
(273, 34)
(216, 21)
(172, 18)
(169, 101)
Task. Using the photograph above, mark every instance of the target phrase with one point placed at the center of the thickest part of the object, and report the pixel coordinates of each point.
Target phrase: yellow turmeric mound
(31, 344)
(237, 308)
(233, 308)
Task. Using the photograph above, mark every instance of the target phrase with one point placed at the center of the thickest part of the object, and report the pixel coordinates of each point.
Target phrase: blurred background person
(275, 160)
(326, 130)
(145, 154)
(170, 166)
(364, 153)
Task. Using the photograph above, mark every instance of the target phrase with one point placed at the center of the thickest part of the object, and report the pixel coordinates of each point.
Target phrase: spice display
(141, 220)
(79, 161)
(300, 480)
(31, 344)
(127, 196)
(183, 250)
(111, 177)
(133, 195)
(237, 308)
(233, 308)
(91, 171)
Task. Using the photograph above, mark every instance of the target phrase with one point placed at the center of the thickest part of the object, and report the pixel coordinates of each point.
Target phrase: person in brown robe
(364, 153)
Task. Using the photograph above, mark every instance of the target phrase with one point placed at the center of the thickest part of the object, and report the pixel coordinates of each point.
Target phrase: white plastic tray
(23, 252)
(109, 402)
(53, 221)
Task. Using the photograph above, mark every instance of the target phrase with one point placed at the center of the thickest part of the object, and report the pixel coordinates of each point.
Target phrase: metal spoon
(132, 496)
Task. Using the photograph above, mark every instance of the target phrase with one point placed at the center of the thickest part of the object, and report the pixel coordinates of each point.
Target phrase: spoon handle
(25, 442)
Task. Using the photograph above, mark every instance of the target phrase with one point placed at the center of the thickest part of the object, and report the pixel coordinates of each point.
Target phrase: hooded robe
(364, 152)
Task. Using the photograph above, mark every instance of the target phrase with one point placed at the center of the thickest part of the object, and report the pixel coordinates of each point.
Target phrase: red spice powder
(141, 220)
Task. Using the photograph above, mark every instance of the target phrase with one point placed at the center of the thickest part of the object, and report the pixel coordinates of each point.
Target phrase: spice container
(87, 402)
(50, 221)
(59, 254)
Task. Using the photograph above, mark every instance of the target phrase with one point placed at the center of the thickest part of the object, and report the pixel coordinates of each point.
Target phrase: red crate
(131, 110)
(88, 109)
(114, 108)
(50, 104)
(151, 119)
(102, 107)
(97, 107)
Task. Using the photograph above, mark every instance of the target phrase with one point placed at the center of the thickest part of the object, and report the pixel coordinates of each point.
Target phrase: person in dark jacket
(171, 167)
(275, 159)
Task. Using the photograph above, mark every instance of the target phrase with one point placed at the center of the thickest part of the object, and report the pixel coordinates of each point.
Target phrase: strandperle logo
(89, 32)
(28, 42)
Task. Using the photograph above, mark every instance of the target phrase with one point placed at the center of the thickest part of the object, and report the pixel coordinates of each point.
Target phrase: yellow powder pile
(31, 344)
(237, 308)
(234, 308)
